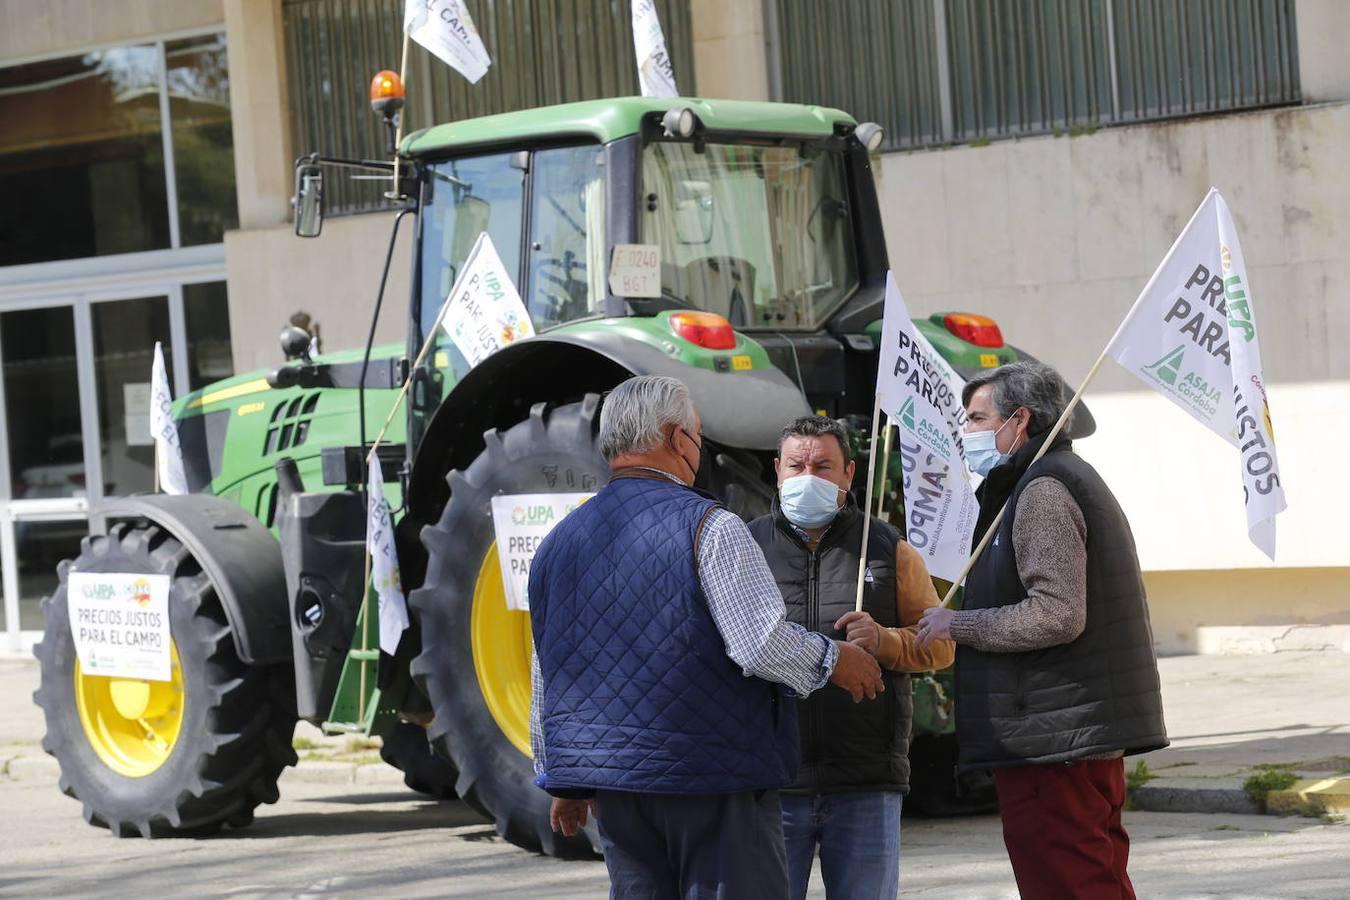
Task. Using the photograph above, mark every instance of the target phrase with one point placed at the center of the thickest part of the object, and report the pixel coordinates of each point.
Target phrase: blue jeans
(859, 839)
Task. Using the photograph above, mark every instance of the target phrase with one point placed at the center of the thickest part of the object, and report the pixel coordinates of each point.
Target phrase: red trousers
(1061, 825)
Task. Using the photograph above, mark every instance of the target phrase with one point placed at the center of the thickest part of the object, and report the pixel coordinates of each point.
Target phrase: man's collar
(650, 472)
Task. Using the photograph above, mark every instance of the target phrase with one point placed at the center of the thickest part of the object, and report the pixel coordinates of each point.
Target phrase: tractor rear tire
(474, 665)
(405, 747)
(220, 734)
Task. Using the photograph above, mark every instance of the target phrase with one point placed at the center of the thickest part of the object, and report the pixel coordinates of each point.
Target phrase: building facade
(1039, 162)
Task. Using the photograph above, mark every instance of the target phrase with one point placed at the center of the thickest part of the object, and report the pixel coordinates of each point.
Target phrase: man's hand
(861, 629)
(569, 816)
(935, 625)
(857, 672)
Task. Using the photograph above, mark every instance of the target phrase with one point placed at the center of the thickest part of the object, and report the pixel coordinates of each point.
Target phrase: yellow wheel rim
(131, 723)
(502, 644)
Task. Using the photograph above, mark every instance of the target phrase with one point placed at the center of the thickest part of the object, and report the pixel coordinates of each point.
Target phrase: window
(468, 197)
(936, 71)
(83, 166)
(42, 403)
(760, 235)
(567, 236)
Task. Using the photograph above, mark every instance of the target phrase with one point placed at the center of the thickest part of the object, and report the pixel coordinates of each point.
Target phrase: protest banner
(656, 75)
(521, 522)
(446, 30)
(483, 313)
(169, 474)
(120, 624)
(383, 554)
(921, 392)
(1192, 337)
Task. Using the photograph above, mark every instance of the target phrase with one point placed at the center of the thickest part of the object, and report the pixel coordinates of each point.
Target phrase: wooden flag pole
(885, 468)
(1050, 439)
(867, 506)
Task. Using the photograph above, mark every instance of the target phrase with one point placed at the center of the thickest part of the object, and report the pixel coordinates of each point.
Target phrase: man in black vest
(854, 771)
(1056, 677)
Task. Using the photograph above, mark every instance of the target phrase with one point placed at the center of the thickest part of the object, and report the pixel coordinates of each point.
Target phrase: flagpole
(867, 506)
(1050, 439)
(885, 468)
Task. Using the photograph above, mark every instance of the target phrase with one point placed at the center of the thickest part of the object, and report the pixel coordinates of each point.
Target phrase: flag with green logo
(918, 389)
(1192, 337)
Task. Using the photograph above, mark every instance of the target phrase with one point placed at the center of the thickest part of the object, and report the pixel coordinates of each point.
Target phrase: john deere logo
(1165, 369)
(907, 414)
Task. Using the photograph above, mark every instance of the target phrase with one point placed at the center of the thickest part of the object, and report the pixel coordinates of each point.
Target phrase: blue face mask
(809, 501)
(982, 451)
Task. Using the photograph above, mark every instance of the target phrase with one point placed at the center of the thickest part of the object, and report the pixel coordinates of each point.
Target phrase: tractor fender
(745, 410)
(238, 554)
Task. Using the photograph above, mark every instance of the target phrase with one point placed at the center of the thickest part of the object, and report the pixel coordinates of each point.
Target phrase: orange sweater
(914, 592)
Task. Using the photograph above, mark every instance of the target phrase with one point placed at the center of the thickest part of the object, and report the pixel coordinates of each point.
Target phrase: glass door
(124, 333)
(44, 455)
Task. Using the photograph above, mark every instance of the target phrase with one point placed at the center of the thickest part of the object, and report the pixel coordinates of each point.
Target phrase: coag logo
(1166, 369)
(139, 590)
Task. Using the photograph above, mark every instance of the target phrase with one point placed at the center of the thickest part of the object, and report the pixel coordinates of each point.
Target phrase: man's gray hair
(1033, 385)
(634, 413)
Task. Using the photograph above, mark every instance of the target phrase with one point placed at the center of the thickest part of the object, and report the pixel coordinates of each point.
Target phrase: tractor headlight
(870, 135)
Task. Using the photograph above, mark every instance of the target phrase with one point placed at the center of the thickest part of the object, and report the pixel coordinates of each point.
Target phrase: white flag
(168, 452)
(655, 73)
(1192, 337)
(922, 393)
(483, 312)
(384, 561)
(446, 29)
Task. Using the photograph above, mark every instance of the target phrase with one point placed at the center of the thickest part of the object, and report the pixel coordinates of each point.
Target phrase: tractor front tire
(153, 758)
(405, 747)
(475, 660)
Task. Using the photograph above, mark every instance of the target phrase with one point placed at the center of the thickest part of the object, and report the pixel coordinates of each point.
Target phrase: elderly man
(846, 800)
(1056, 675)
(663, 666)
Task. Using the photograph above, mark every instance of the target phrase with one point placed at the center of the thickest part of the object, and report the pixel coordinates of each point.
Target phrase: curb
(1194, 795)
(1312, 796)
(45, 768)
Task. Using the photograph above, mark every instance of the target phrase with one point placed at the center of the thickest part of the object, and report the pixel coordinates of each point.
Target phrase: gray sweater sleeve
(1050, 541)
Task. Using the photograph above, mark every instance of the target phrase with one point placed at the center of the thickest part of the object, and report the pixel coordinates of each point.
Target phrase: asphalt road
(325, 839)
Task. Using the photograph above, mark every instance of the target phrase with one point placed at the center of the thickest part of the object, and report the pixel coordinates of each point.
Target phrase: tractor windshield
(561, 278)
(758, 234)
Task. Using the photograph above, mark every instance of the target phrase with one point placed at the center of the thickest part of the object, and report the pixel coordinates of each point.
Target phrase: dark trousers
(1062, 828)
(691, 847)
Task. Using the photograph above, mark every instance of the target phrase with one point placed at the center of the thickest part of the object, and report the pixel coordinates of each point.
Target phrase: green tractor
(761, 224)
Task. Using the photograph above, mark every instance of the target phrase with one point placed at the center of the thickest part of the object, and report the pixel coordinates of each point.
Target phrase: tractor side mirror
(308, 199)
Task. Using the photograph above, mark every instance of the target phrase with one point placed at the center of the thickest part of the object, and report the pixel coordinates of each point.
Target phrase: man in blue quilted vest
(666, 671)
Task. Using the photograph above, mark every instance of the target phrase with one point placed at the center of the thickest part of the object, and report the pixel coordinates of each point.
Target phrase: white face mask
(982, 451)
(809, 501)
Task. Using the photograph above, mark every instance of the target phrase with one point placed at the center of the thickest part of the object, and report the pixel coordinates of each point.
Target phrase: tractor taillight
(707, 330)
(981, 331)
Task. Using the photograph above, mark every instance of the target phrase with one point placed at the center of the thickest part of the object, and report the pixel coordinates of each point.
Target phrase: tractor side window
(760, 235)
(468, 196)
(567, 236)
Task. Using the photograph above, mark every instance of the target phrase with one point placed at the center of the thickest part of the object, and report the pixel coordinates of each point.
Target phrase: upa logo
(1167, 368)
(538, 515)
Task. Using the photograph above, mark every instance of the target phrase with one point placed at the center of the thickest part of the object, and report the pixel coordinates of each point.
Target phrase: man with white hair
(665, 668)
